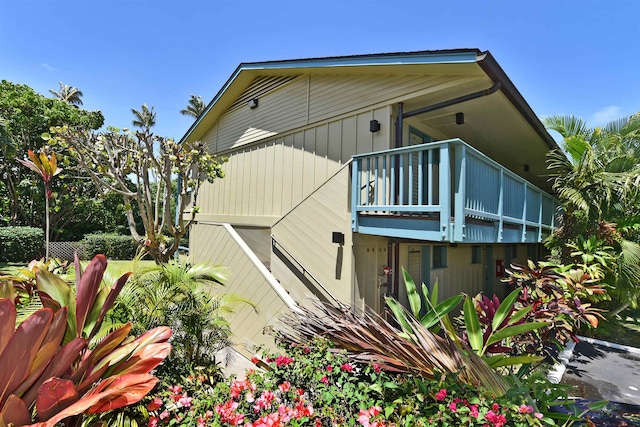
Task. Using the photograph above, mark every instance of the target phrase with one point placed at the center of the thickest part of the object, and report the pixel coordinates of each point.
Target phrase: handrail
(404, 182)
(450, 142)
(274, 242)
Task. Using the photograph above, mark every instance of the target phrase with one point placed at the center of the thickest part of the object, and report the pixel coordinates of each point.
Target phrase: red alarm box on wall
(499, 268)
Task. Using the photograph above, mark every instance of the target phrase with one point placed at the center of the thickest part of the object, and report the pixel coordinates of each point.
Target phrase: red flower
(254, 360)
(376, 367)
(155, 404)
(347, 367)
(283, 360)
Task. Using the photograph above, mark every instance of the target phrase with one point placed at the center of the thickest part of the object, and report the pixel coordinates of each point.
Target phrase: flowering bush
(316, 386)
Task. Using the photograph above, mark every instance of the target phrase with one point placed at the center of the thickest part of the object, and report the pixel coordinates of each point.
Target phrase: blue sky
(573, 57)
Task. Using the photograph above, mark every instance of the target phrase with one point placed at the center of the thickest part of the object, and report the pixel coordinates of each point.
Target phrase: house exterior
(344, 170)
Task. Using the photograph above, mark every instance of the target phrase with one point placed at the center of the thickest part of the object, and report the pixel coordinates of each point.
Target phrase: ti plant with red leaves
(493, 328)
(557, 295)
(48, 367)
(47, 168)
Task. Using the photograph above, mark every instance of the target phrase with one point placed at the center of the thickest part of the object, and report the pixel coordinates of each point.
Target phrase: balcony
(446, 191)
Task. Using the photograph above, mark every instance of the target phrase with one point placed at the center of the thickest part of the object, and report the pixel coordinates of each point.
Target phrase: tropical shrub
(180, 295)
(557, 295)
(48, 363)
(21, 244)
(113, 246)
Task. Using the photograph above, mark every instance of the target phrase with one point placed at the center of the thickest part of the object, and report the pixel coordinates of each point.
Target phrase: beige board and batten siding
(307, 100)
(460, 275)
(370, 257)
(267, 179)
(219, 244)
(306, 233)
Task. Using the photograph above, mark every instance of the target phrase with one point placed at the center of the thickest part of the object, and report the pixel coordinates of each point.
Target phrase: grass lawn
(115, 268)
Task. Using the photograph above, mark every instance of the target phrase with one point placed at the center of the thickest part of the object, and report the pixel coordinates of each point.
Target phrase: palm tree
(182, 296)
(144, 118)
(69, 94)
(195, 107)
(596, 177)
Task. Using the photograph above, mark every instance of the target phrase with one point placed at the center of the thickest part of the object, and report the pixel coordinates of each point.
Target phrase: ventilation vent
(260, 86)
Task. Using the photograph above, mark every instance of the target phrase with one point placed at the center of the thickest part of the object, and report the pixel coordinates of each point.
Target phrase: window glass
(476, 254)
(439, 256)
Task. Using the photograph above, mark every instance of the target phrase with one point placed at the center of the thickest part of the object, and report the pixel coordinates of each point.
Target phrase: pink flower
(347, 367)
(201, 422)
(164, 414)
(495, 407)
(177, 389)
(376, 367)
(285, 386)
(473, 410)
(153, 422)
(441, 394)
(453, 407)
(283, 360)
(329, 368)
(525, 409)
(538, 415)
(185, 400)
(324, 380)
(307, 350)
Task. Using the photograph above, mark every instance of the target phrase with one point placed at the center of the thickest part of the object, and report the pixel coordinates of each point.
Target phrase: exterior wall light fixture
(374, 126)
(253, 103)
(459, 118)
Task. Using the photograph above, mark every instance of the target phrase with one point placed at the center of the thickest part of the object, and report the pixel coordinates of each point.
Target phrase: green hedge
(113, 246)
(21, 244)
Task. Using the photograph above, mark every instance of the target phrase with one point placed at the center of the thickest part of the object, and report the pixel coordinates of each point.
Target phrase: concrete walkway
(605, 371)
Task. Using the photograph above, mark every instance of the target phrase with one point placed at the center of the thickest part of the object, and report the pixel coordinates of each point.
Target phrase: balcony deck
(446, 191)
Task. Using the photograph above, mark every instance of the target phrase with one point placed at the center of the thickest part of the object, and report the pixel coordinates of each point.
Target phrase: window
(476, 254)
(439, 257)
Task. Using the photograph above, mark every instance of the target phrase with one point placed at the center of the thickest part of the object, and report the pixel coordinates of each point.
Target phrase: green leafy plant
(49, 365)
(429, 312)
(181, 295)
(500, 322)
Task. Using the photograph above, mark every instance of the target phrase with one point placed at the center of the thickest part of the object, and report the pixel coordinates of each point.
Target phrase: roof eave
(491, 67)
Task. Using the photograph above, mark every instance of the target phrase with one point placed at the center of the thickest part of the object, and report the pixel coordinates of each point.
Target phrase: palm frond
(567, 126)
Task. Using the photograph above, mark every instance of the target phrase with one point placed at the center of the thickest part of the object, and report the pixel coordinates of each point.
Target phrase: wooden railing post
(460, 192)
(445, 193)
(355, 193)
